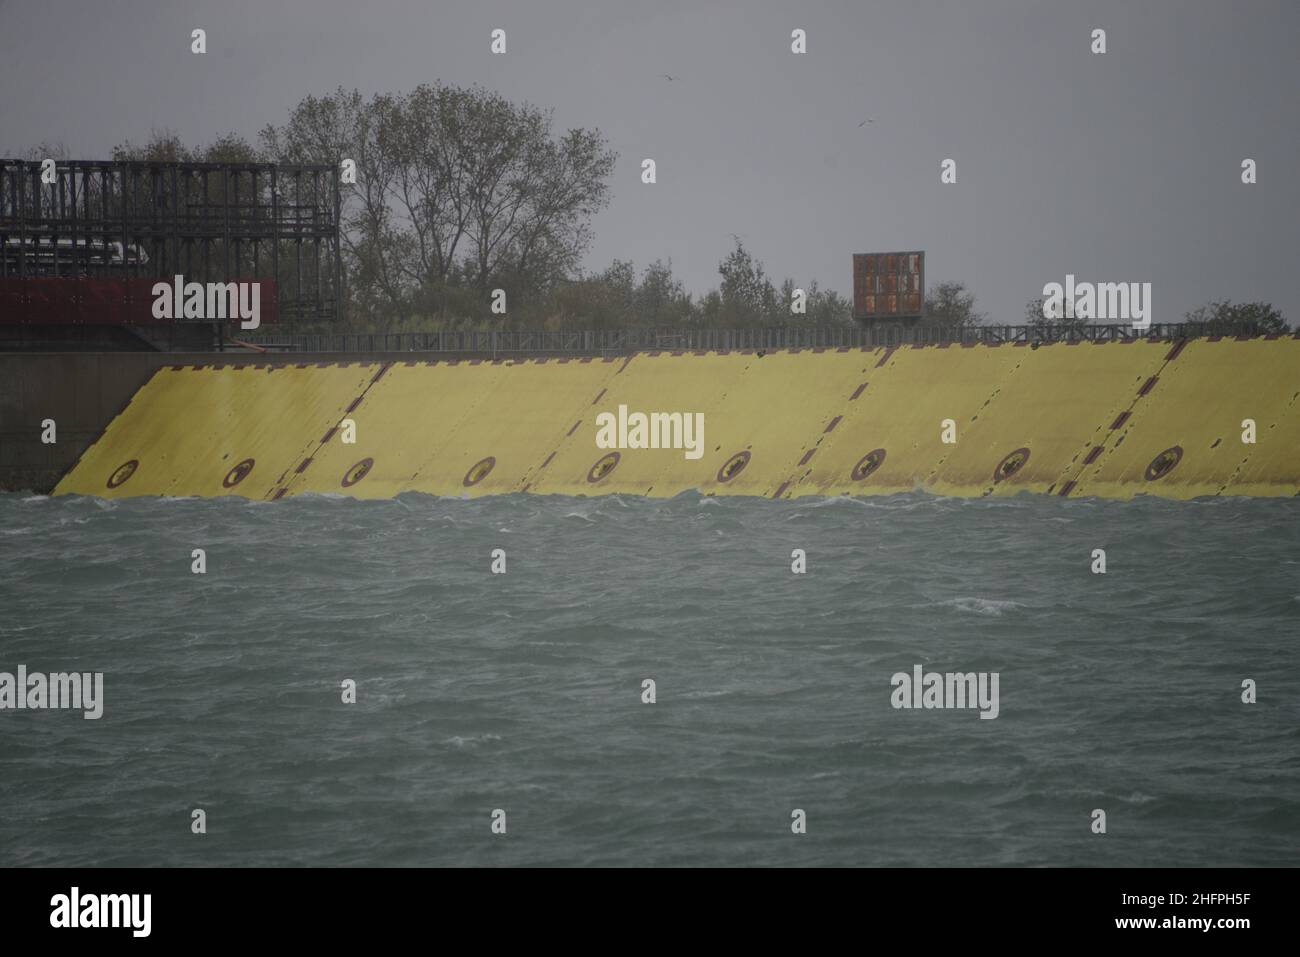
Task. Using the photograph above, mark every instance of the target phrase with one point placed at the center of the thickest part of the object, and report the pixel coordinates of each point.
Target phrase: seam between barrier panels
(827, 430)
(277, 493)
(1120, 420)
(532, 473)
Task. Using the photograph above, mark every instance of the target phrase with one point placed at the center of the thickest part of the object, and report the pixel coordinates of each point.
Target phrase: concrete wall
(81, 392)
(1110, 419)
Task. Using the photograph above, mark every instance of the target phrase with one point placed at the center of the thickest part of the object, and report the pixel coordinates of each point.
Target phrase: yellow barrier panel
(1047, 414)
(774, 414)
(237, 430)
(1113, 420)
(1184, 436)
(648, 383)
(456, 428)
(900, 416)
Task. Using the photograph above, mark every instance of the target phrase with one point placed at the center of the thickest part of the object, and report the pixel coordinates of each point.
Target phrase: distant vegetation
(1217, 318)
(459, 192)
(1227, 317)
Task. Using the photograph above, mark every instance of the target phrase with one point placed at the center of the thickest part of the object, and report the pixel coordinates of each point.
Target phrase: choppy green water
(522, 691)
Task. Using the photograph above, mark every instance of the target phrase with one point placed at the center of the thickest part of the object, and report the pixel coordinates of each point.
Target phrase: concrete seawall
(1108, 419)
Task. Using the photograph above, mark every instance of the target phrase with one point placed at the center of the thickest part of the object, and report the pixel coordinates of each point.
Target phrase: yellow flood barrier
(1107, 419)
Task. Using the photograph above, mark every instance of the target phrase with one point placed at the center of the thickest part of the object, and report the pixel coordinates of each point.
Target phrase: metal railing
(622, 341)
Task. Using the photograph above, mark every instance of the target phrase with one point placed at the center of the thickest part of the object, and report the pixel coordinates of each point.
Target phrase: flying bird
(864, 123)
(667, 77)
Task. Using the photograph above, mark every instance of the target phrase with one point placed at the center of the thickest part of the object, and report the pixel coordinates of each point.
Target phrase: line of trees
(459, 192)
(1221, 317)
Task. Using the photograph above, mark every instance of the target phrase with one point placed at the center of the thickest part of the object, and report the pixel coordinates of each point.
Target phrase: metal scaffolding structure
(209, 222)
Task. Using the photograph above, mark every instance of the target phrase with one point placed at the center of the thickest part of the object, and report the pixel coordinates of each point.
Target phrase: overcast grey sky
(1116, 167)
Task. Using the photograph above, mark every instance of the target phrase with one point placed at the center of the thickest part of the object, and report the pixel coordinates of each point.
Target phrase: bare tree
(454, 186)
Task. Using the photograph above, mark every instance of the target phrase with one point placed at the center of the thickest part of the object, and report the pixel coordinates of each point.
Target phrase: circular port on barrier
(359, 471)
(1164, 463)
(238, 473)
(123, 472)
(868, 464)
(1010, 465)
(479, 471)
(603, 467)
(733, 466)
